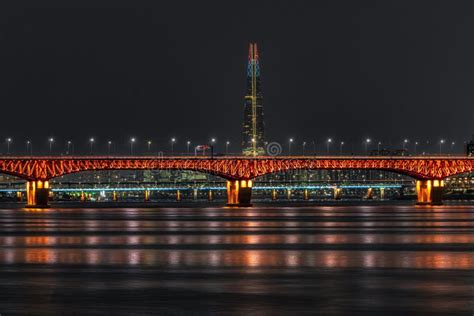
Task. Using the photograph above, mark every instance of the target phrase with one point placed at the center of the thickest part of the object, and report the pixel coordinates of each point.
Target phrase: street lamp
(227, 143)
(378, 146)
(188, 143)
(329, 141)
(51, 140)
(441, 142)
(213, 142)
(340, 147)
(173, 140)
(68, 145)
(416, 145)
(109, 144)
(9, 140)
(367, 142)
(452, 146)
(28, 144)
(91, 141)
(132, 141)
(290, 141)
(405, 142)
(149, 145)
(304, 147)
(314, 147)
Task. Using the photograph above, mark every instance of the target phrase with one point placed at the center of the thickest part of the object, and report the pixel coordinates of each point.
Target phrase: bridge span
(240, 172)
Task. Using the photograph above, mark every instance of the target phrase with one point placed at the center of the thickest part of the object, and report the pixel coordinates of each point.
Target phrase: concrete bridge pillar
(274, 194)
(306, 195)
(239, 192)
(430, 192)
(37, 193)
(370, 194)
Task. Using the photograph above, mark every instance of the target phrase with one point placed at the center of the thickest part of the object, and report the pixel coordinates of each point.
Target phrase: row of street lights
(366, 143)
(329, 141)
(110, 144)
(173, 141)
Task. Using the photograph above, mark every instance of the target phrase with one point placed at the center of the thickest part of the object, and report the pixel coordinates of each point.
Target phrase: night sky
(349, 70)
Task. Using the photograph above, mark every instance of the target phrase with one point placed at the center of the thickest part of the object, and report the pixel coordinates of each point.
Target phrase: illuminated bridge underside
(429, 171)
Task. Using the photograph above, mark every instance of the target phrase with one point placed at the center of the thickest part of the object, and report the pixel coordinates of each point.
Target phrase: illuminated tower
(253, 134)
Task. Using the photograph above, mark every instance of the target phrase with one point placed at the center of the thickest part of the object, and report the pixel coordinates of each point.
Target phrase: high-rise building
(470, 147)
(253, 134)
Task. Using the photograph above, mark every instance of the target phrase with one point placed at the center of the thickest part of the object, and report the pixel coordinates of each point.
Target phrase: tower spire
(253, 125)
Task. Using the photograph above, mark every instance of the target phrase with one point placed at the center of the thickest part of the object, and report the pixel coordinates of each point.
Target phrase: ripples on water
(321, 259)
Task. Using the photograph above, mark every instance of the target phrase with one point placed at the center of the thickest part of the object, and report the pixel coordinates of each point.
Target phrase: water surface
(274, 260)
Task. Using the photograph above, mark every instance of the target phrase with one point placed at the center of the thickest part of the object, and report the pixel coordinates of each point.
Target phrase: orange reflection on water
(252, 259)
(242, 258)
(44, 256)
(40, 240)
(464, 240)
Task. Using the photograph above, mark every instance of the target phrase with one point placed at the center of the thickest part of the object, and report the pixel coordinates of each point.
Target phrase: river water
(273, 260)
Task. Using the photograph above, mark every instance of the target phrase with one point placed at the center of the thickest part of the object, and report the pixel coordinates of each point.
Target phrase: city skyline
(144, 89)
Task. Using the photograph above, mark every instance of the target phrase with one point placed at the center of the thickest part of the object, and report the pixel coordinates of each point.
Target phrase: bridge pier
(19, 196)
(239, 193)
(370, 194)
(274, 194)
(37, 194)
(429, 192)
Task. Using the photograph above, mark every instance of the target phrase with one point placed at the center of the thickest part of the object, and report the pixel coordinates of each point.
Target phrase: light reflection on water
(242, 258)
(330, 259)
(286, 237)
(245, 239)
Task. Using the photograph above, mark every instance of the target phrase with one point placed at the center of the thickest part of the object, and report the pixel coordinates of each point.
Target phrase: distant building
(253, 127)
(470, 147)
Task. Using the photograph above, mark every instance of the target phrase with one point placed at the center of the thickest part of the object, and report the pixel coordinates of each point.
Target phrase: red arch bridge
(429, 172)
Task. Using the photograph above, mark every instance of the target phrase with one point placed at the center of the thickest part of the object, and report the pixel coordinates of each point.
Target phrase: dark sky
(388, 70)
